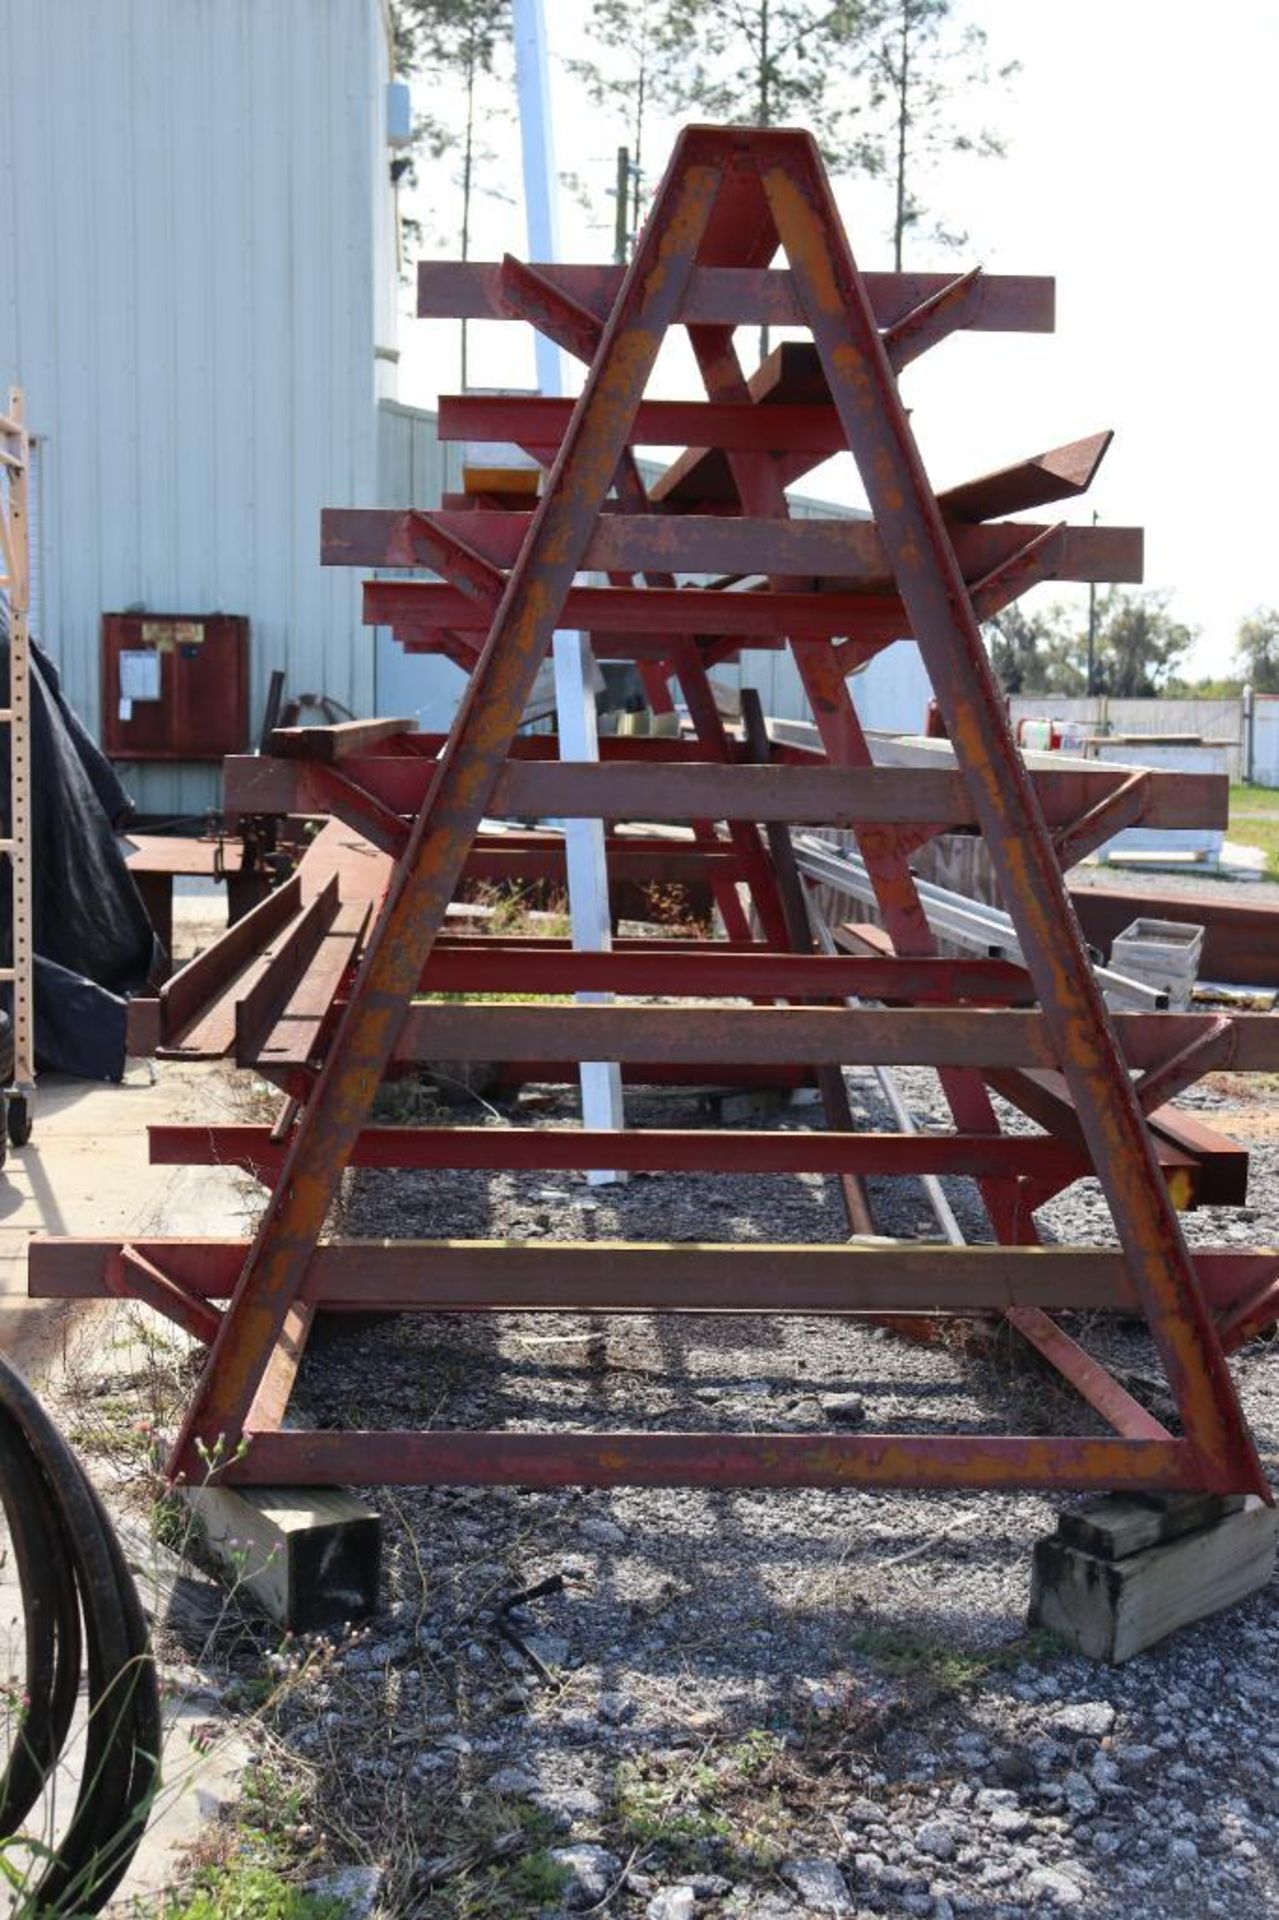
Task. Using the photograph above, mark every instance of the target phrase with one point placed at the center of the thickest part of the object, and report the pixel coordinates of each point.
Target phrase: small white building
(199, 234)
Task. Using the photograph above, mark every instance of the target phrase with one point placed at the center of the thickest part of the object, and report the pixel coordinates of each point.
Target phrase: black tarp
(92, 937)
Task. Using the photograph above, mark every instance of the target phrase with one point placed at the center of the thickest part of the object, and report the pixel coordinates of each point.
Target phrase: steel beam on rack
(615, 789)
(986, 1038)
(936, 317)
(733, 296)
(864, 390)
(635, 622)
(649, 1150)
(712, 969)
(462, 1276)
(719, 1460)
(1040, 481)
(836, 551)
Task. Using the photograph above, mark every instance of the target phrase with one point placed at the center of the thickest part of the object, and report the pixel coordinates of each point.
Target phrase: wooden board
(1113, 1609)
(309, 1556)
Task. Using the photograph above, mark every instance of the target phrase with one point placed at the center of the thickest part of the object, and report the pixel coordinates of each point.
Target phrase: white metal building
(200, 235)
(198, 227)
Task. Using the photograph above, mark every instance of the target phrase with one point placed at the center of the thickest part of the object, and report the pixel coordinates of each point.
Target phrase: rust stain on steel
(727, 200)
(720, 1460)
(401, 1273)
(416, 902)
(912, 526)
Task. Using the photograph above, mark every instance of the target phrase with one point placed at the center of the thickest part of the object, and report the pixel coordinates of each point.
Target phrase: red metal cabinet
(175, 686)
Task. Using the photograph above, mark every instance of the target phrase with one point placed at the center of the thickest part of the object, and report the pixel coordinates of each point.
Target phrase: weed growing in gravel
(720, 1804)
(536, 1880)
(902, 1653)
(510, 911)
(909, 1655)
(670, 906)
(509, 1891)
(495, 1865)
(272, 1803)
(248, 1892)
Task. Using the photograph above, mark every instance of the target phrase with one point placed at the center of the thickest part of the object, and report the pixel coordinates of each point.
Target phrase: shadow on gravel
(714, 1684)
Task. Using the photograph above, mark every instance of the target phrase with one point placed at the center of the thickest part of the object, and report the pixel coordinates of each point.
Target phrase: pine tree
(456, 47)
(920, 69)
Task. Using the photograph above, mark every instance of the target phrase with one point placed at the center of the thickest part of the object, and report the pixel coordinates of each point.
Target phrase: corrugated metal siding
(415, 470)
(1265, 740)
(187, 216)
(890, 692)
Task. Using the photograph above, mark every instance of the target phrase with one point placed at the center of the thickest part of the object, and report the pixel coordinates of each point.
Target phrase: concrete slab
(85, 1170)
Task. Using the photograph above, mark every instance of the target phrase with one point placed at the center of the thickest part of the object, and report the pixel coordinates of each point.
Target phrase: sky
(1140, 171)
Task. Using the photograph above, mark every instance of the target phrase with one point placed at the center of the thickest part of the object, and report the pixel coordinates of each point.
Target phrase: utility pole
(903, 121)
(1092, 628)
(573, 657)
(765, 120)
(621, 223)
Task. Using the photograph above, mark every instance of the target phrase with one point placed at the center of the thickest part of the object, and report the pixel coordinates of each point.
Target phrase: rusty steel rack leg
(329, 1008)
(428, 873)
(864, 390)
(15, 558)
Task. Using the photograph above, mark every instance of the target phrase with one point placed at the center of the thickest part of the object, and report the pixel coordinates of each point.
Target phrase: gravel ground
(1250, 893)
(757, 1703)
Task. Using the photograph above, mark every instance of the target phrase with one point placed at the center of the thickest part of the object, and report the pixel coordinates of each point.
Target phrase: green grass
(903, 1653)
(720, 1805)
(1254, 822)
(1254, 799)
(249, 1893)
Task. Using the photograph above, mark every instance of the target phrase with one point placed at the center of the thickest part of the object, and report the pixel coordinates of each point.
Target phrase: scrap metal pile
(324, 989)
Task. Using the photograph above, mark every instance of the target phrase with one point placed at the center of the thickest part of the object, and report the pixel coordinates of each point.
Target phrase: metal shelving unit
(15, 557)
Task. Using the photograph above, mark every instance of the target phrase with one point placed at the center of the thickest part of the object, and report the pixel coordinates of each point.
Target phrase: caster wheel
(19, 1119)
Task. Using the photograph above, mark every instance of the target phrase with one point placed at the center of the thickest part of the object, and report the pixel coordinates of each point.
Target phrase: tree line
(891, 89)
(1138, 649)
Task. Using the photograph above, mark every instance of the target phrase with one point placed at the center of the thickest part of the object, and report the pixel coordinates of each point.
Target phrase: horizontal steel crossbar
(651, 1150)
(733, 296)
(659, 1276)
(719, 1460)
(614, 789)
(638, 623)
(710, 970)
(538, 422)
(907, 1036)
(849, 551)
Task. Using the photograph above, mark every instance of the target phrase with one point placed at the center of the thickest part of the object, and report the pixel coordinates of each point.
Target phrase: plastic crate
(1163, 953)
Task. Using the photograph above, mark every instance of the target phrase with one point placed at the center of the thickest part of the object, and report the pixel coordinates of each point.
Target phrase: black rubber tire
(81, 1611)
(18, 1119)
